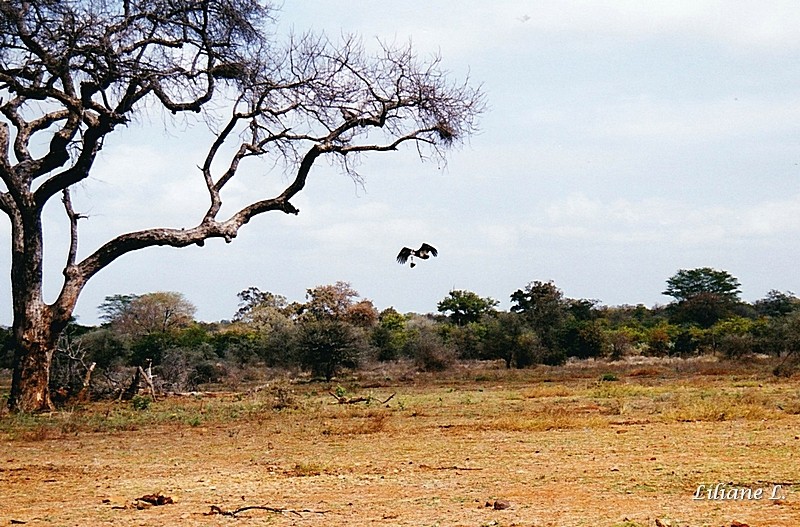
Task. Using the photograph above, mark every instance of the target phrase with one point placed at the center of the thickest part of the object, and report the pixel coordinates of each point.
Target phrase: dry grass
(564, 447)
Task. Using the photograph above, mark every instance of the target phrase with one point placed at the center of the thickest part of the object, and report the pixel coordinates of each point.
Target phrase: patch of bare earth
(575, 453)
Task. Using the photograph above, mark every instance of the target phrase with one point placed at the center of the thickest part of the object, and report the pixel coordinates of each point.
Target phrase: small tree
(703, 296)
(260, 307)
(506, 337)
(777, 304)
(329, 301)
(688, 283)
(326, 345)
(390, 336)
(465, 306)
(585, 339)
(151, 313)
(544, 309)
(362, 314)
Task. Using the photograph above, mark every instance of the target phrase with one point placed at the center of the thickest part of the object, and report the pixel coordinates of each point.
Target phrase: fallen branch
(453, 467)
(353, 400)
(219, 510)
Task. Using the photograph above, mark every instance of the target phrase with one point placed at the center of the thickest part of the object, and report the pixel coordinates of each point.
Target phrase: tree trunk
(35, 328)
(30, 385)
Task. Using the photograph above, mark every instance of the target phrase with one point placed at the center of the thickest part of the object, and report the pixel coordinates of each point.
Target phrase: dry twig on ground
(215, 509)
(353, 400)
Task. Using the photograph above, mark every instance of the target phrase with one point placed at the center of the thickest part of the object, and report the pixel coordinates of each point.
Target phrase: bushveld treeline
(336, 328)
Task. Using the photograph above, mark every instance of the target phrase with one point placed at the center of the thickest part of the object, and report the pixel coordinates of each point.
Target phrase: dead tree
(73, 73)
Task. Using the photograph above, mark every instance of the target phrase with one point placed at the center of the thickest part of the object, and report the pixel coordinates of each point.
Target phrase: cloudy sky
(623, 141)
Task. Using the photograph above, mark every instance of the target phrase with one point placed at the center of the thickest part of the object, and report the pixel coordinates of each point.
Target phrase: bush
(585, 340)
(183, 369)
(735, 346)
(529, 351)
(390, 337)
(429, 350)
(141, 402)
(325, 346)
(787, 367)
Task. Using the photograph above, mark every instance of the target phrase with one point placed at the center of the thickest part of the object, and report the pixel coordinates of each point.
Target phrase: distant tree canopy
(158, 312)
(689, 283)
(777, 303)
(335, 329)
(543, 306)
(465, 306)
(704, 295)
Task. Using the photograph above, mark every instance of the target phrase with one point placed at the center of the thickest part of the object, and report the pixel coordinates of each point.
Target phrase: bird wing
(429, 249)
(405, 252)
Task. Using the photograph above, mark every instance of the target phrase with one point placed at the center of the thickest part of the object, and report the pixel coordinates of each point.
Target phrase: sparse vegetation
(522, 434)
(336, 330)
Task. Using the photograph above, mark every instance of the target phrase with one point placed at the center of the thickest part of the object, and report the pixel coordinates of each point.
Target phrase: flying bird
(424, 252)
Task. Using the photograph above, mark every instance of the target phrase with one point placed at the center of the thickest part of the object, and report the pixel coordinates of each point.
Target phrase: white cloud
(626, 221)
(681, 121)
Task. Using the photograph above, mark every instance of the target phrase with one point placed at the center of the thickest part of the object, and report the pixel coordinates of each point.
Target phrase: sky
(622, 141)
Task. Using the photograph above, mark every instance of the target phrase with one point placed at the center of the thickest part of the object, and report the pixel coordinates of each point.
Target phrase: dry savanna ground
(589, 444)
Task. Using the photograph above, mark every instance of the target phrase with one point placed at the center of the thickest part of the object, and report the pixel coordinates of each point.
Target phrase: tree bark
(30, 385)
(35, 329)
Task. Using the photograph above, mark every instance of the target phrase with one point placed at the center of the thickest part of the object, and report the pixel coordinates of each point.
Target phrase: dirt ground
(569, 453)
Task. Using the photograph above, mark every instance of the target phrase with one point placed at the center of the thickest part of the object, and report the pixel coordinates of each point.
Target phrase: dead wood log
(83, 395)
(148, 379)
(353, 400)
(215, 509)
(452, 467)
(155, 499)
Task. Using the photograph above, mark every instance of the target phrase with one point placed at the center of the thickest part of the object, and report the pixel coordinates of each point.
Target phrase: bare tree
(73, 72)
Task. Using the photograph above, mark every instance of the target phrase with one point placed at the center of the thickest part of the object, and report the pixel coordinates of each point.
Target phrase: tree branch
(73, 227)
(6, 203)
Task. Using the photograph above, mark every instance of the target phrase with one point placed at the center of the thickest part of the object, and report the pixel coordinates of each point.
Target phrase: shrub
(585, 340)
(325, 346)
(429, 350)
(736, 346)
(184, 369)
(141, 402)
(788, 366)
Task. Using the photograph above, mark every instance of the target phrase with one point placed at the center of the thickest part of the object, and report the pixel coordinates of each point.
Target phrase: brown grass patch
(547, 390)
(548, 418)
(572, 452)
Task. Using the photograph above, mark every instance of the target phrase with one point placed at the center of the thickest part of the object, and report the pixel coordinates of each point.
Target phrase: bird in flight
(424, 252)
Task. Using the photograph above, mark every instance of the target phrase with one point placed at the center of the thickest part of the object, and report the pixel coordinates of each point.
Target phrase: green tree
(689, 283)
(149, 324)
(544, 309)
(703, 296)
(777, 304)
(326, 345)
(507, 337)
(390, 336)
(703, 310)
(733, 337)
(115, 306)
(73, 74)
(465, 306)
(585, 339)
(659, 339)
